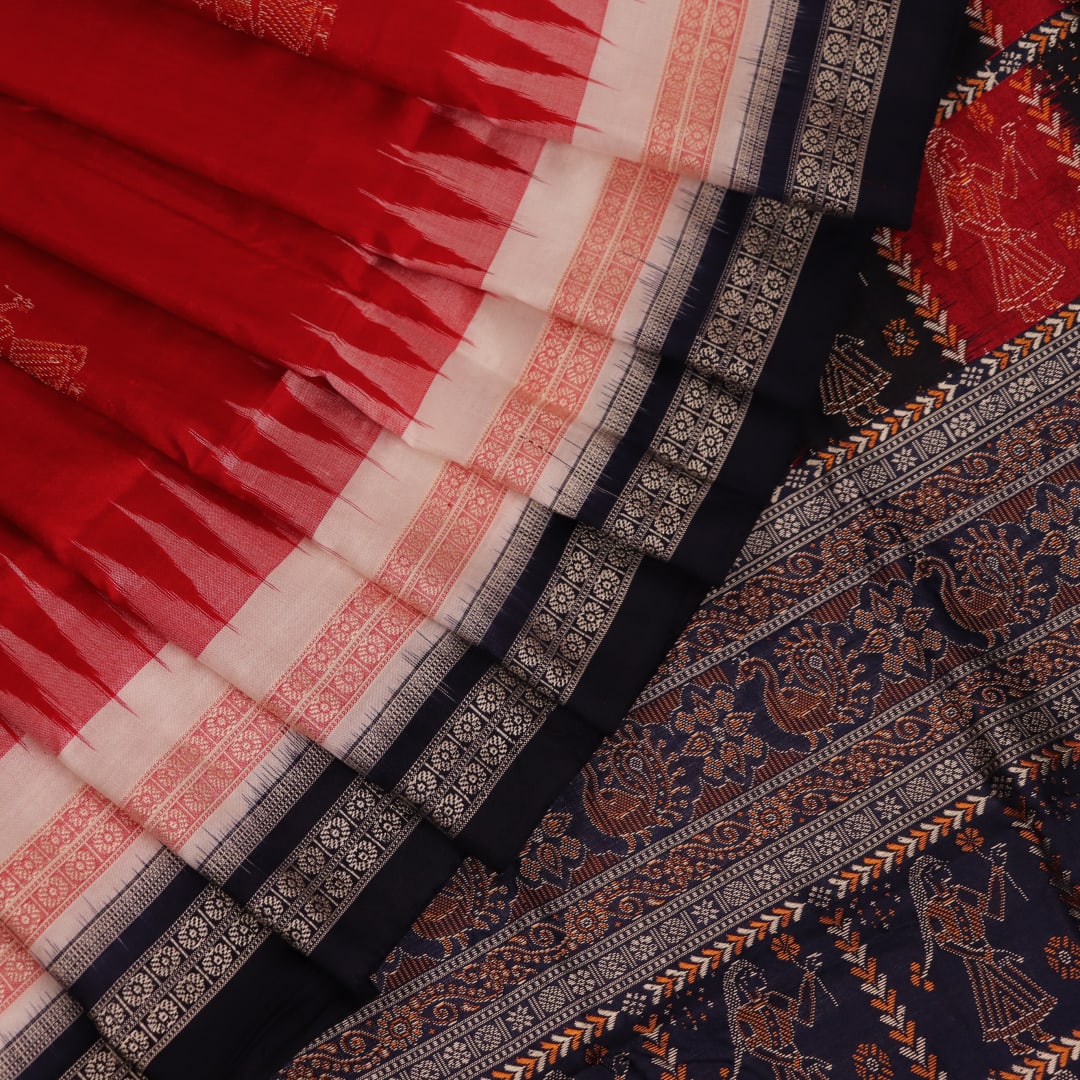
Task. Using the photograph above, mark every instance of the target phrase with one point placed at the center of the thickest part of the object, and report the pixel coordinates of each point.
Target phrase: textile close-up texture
(539, 540)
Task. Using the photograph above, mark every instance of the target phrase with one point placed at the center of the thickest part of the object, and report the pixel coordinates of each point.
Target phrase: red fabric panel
(1001, 22)
(267, 281)
(380, 168)
(996, 231)
(248, 426)
(517, 61)
(64, 650)
(175, 552)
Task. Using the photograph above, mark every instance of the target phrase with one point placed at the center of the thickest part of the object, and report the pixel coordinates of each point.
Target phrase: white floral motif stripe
(689, 451)
(848, 68)
(149, 1006)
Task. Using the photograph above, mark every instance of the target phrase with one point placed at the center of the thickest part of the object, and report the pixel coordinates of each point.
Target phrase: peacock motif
(821, 688)
(988, 582)
(632, 786)
(301, 25)
(470, 902)
(50, 362)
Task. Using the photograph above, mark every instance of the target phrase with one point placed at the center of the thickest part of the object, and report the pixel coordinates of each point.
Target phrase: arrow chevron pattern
(907, 846)
(1007, 62)
(557, 1045)
(864, 967)
(1044, 1062)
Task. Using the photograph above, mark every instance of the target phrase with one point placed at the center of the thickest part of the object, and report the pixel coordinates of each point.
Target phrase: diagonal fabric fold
(370, 430)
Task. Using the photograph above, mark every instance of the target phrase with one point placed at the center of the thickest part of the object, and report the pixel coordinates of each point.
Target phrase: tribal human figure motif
(952, 918)
(50, 362)
(763, 1021)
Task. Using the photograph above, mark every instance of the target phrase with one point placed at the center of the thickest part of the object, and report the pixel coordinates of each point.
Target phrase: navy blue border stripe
(927, 48)
(62, 1052)
(678, 342)
(773, 179)
(389, 904)
(272, 1007)
(785, 410)
(282, 841)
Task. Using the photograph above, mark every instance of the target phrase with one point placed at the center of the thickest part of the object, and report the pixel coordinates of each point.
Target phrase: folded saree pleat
(132, 525)
(741, 92)
(366, 444)
(336, 899)
(140, 988)
(348, 155)
(289, 446)
(298, 295)
(619, 224)
(546, 423)
(531, 692)
(64, 650)
(28, 1051)
(189, 773)
(551, 50)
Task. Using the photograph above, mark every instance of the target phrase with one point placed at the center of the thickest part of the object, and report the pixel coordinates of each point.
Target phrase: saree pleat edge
(884, 884)
(520, 664)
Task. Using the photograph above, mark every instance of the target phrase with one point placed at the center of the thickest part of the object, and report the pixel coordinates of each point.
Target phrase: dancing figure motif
(763, 1021)
(976, 198)
(953, 917)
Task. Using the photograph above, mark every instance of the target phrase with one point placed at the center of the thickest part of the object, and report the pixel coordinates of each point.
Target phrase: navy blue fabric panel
(790, 101)
(926, 52)
(785, 410)
(657, 606)
(698, 301)
(128, 948)
(519, 605)
(678, 344)
(628, 452)
(64, 1052)
(276, 1003)
(554, 755)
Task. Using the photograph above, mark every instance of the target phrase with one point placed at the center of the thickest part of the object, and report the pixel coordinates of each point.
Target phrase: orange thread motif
(300, 25)
(697, 71)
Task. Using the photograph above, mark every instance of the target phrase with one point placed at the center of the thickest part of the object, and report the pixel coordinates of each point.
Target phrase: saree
(368, 442)
(837, 835)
